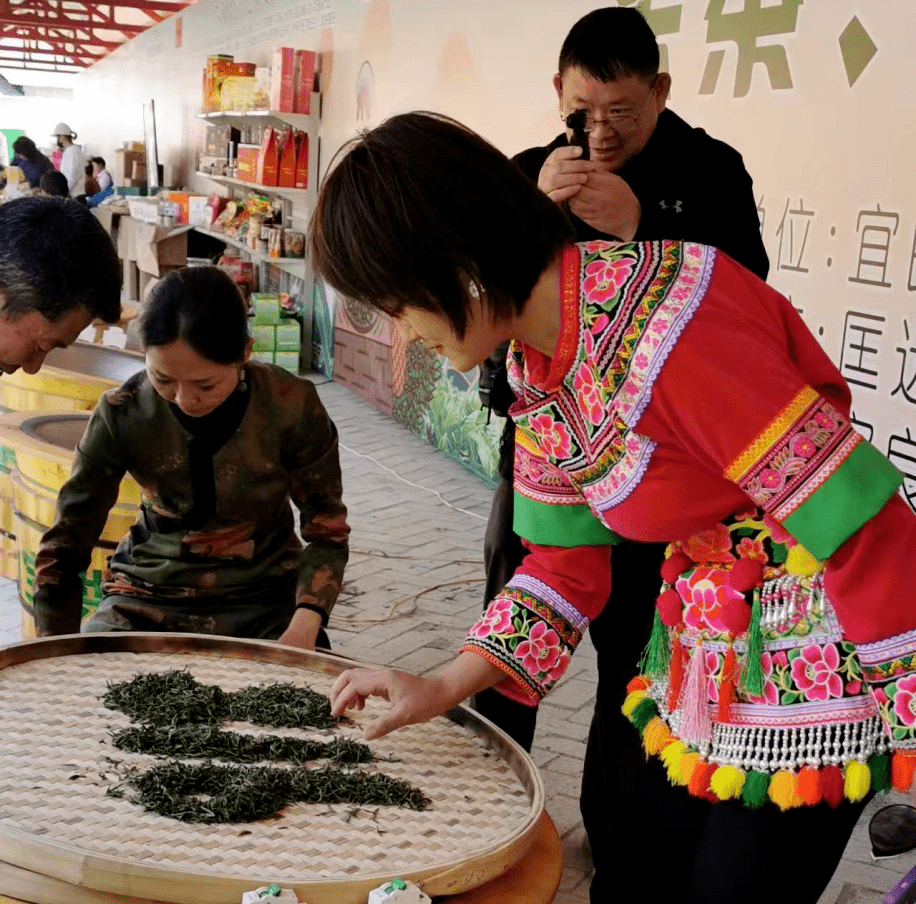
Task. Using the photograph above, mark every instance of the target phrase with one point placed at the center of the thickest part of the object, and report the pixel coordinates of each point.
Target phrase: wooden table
(534, 880)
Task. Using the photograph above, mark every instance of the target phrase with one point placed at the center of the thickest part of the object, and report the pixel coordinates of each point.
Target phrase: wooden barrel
(43, 445)
(72, 379)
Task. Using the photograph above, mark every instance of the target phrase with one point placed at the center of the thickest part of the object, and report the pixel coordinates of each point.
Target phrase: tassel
(695, 723)
(637, 684)
(752, 673)
(754, 793)
(656, 735)
(809, 786)
(832, 785)
(698, 785)
(633, 700)
(903, 767)
(858, 780)
(879, 764)
(686, 766)
(645, 711)
(727, 685)
(782, 790)
(727, 782)
(675, 671)
(655, 659)
(671, 755)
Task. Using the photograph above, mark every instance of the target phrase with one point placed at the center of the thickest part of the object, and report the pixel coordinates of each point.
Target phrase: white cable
(410, 483)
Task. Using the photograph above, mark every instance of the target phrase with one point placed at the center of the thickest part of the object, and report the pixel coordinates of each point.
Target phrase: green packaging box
(265, 338)
(266, 308)
(288, 361)
(288, 338)
(263, 357)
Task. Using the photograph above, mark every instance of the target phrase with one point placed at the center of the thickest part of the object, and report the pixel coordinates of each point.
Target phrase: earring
(243, 386)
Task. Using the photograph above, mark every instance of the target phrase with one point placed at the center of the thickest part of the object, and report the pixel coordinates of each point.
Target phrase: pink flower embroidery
(780, 658)
(879, 695)
(604, 279)
(750, 548)
(588, 394)
(814, 672)
(905, 700)
(803, 446)
(496, 620)
(559, 669)
(854, 688)
(541, 651)
(771, 479)
(770, 695)
(778, 532)
(713, 545)
(554, 437)
(824, 421)
(641, 360)
(705, 591)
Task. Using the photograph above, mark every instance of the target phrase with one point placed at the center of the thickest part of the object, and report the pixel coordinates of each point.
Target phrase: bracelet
(314, 608)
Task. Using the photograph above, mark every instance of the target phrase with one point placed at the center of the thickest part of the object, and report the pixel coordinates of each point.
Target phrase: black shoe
(892, 831)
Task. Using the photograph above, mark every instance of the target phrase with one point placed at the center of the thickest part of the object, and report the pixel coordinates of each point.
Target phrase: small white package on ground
(268, 894)
(398, 891)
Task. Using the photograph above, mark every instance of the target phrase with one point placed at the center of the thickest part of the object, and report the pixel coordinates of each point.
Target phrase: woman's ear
(249, 345)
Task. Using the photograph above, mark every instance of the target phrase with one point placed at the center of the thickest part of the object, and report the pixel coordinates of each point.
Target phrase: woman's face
(436, 333)
(196, 385)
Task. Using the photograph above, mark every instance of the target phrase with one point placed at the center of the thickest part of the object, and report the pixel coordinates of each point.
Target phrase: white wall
(830, 152)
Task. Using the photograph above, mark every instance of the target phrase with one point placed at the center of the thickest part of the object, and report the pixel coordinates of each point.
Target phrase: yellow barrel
(44, 445)
(72, 379)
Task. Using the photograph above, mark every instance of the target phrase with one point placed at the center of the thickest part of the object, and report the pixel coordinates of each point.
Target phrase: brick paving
(414, 585)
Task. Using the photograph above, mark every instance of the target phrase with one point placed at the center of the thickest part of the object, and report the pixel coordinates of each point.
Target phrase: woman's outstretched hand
(413, 699)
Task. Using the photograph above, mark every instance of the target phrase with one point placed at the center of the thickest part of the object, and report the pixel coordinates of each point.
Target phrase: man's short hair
(99, 160)
(54, 257)
(54, 183)
(610, 44)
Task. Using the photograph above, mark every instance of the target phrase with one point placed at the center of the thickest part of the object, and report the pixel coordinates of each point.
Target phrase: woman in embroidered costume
(665, 394)
(220, 446)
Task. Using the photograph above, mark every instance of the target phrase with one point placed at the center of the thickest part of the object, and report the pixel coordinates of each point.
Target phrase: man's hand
(563, 173)
(302, 630)
(607, 204)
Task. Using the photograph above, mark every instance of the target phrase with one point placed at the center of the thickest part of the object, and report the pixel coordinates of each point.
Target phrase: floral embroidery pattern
(603, 278)
(705, 592)
(554, 436)
(589, 394)
(815, 672)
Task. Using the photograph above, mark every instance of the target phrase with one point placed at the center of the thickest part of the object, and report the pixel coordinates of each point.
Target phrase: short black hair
(54, 183)
(421, 207)
(54, 257)
(25, 147)
(611, 43)
(203, 307)
(99, 160)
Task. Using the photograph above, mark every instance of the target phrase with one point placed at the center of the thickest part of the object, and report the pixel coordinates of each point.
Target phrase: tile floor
(413, 586)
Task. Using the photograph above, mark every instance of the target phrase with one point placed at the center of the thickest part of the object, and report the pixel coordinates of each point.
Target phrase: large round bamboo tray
(43, 446)
(56, 820)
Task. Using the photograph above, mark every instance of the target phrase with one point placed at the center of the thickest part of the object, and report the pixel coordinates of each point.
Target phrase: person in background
(102, 176)
(30, 160)
(72, 161)
(214, 549)
(58, 272)
(664, 393)
(649, 175)
(92, 185)
(55, 184)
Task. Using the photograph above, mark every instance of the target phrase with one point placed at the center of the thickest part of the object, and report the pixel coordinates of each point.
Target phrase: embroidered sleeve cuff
(811, 471)
(889, 667)
(529, 640)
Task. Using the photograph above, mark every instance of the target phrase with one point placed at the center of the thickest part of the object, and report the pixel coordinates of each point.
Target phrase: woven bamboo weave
(485, 793)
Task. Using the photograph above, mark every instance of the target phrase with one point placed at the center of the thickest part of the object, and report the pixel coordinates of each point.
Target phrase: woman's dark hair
(611, 43)
(54, 183)
(419, 208)
(201, 306)
(25, 147)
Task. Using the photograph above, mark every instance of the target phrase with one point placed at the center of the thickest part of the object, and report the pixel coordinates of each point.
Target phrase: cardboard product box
(219, 68)
(302, 162)
(268, 159)
(266, 306)
(124, 164)
(263, 357)
(287, 360)
(138, 171)
(282, 80)
(287, 173)
(220, 142)
(198, 210)
(265, 338)
(248, 161)
(237, 92)
(262, 88)
(288, 337)
(305, 80)
(130, 191)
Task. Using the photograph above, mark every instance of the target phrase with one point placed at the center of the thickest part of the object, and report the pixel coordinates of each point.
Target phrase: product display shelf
(307, 122)
(295, 265)
(293, 193)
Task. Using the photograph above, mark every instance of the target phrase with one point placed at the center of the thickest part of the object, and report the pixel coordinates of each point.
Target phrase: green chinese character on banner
(665, 21)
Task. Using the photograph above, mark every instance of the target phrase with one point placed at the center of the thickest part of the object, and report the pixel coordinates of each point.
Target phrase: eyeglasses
(582, 120)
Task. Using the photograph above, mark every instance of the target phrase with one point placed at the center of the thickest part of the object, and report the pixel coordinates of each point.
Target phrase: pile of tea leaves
(181, 718)
(208, 742)
(177, 698)
(214, 793)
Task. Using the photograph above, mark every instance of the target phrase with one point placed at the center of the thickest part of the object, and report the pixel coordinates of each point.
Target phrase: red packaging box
(287, 175)
(305, 80)
(302, 162)
(282, 80)
(248, 162)
(268, 159)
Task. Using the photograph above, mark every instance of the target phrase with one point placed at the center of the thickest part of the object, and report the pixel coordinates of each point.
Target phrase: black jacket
(690, 186)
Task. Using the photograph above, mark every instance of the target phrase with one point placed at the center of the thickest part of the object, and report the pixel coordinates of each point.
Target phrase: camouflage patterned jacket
(285, 449)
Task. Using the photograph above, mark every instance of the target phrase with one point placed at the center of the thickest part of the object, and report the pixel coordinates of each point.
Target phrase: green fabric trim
(850, 497)
(560, 525)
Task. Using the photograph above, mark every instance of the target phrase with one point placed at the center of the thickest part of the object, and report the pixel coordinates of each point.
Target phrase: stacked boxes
(277, 339)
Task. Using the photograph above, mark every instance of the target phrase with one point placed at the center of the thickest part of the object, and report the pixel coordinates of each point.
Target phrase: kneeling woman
(220, 446)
